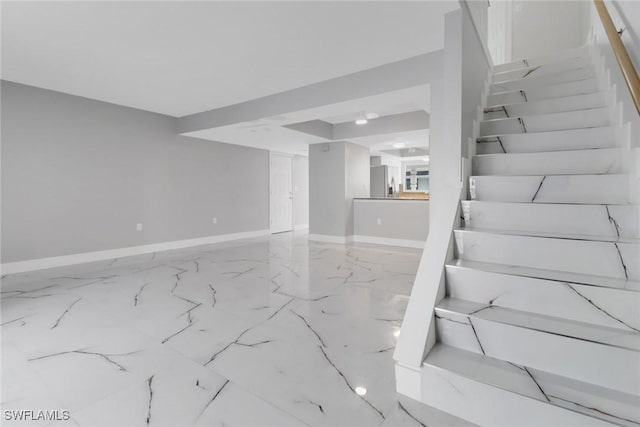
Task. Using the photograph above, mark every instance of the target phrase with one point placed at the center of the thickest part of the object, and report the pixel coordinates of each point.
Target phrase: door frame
(271, 154)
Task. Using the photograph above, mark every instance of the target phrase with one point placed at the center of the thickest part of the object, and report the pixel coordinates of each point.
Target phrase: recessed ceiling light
(361, 391)
(396, 333)
(362, 121)
(399, 144)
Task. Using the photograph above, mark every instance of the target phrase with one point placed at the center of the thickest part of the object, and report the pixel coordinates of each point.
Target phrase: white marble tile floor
(274, 331)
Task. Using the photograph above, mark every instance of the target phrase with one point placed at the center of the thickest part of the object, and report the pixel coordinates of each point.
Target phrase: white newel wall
(455, 114)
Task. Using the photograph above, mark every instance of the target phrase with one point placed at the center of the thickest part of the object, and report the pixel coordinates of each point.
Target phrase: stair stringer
(418, 334)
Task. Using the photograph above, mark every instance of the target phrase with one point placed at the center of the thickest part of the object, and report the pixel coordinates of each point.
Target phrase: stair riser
(617, 260)
(559, 105)
(572, 358)
(541, 69)
(608, 307)
(581, 189)
(546, 122)
(509, 391)
(577, 54)
(558, 163)
(533, 83)
(561, 90)
(605, 221)
(490, 405)
(579, 139)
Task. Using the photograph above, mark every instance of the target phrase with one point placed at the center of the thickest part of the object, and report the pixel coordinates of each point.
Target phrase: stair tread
(554, 153)
(541, 116)
(540, 176)
(553, 235)
(554, 275)
(533, 135)
(548, 204)
(541, 101)
(587, 92)
(567, 55)
(570, 64)
(545, 102)
(556, 80)
(453, 309)
(535, 76)
(595, 401)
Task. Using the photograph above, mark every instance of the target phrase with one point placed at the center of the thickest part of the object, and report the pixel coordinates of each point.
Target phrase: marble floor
(273, 331)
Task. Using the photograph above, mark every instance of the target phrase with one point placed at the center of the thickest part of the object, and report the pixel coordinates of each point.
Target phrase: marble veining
(270, 331)
(540, 319)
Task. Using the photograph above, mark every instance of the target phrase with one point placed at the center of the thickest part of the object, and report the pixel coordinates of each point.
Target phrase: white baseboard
(330, 239)
(418, 244)
(60, 261)
(301, 227)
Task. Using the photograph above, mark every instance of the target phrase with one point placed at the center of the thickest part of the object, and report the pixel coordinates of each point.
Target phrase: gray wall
(78, 174)
(300, 190)
(338, 172)
(400, 219)
(358, 180)
(327, 189)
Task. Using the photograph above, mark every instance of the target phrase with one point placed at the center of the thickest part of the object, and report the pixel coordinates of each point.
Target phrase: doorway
(281, 192)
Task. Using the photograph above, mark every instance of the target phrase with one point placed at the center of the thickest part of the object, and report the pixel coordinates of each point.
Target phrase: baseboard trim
(81, 258)
(417, 244)
(301, 227)
(330, 239)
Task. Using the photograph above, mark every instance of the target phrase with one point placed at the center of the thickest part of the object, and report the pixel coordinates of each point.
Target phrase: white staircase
(541, 320)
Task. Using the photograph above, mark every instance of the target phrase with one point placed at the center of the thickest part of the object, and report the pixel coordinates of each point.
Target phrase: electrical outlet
(139, 226)
(215, 220)
(379, 221)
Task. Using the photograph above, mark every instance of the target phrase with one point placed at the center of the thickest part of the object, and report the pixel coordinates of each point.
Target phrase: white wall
(500, 31)
(300, 191)
(542, 27)
(624, 14)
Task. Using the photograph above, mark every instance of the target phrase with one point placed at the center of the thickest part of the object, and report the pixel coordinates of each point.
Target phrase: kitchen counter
(392, 199)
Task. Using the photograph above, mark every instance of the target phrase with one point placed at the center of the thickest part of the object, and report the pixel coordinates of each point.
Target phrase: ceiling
(270, 133)
(183, 57)
(386, 110)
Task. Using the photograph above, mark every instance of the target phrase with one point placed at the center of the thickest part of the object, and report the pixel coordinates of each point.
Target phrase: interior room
(303, 213)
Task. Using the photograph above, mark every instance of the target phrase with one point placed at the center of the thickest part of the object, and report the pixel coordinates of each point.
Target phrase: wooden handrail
(628, 70)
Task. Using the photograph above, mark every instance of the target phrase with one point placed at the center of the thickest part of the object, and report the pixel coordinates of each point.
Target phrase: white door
(281, 198)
